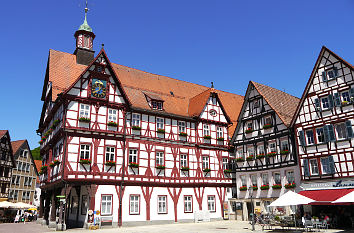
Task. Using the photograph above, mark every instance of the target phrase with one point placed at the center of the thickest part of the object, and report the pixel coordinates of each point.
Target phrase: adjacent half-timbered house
(7, 163)
(323, 127)
(133, 145)
(265, 162)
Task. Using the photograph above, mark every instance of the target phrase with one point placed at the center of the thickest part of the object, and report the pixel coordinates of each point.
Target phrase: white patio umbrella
(21, 205)
(346, 198)
(5, 204)
(291, 198)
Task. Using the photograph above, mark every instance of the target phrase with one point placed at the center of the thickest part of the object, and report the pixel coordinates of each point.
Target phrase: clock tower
(84, 43)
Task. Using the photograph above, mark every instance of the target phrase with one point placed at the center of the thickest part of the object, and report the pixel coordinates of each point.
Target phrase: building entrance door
(249, 210)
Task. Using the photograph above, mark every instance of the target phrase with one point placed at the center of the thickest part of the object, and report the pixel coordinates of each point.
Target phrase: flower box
(249, 130)
(56, 122)
(267, 126)
(290, 185)
(112, 123)
(110, 163)
(207, 137)
(161, 167)
(135, 127)
(85, 161)
(243, 188)
(185, 169)
(240, 159)
(43, 169)
(250, 158)
(206, 170)
(265, 187)
(272, 154)
(276, 186)
(54, 163)
(255, 187)
(220, 139)
(133, 165)
(344, 103)
(183, 134)
(85, 119)
(160, 130)
(260, 156)
(284, 152)
(41, 142)
(227, 170)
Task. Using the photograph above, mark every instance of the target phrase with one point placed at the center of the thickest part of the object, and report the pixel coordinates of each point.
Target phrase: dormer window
(156, 104)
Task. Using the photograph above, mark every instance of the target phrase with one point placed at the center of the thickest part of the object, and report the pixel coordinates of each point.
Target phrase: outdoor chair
(324, 225)
(308, 225)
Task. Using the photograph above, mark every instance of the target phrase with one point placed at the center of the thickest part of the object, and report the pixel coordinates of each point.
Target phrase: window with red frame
(110, 152)
(188, 205)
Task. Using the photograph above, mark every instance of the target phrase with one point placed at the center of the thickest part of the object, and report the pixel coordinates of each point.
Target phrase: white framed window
(325, 166)
(256, 104)
(112, 115)
(219, 132)
(332, 73)
(290, 177)
(181, 126)
(106, 205)
(260, 149)
(284, 145)
(310, 137)
(19, 166)
(320, 135)
(84, 151)
(28, 167)
(206, 130)
(268, 120)
(134, 204)
(211, 203)
(160, 123)
(325, 103)
(243, 180)
(314, 166)
(184, 160)
(135, 119)
(110, 152)
(225, 163)
(250, 151)
(265, 179)
(205, 162)
(276, 176)
(133, 156)
(272, 147)
(249, 125)
(162, 204)
(156, 105)
(159, 158)
(188, 205)
(341, 130)
(85, 110)
(23, 167)
(345, 96)
(254, 180)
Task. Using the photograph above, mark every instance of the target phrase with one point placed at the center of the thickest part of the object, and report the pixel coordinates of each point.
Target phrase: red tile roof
(16, 145)
(63, 72)
(2, 133)
(38, 164)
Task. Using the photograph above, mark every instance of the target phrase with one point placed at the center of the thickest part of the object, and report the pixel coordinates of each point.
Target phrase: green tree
(35, 153)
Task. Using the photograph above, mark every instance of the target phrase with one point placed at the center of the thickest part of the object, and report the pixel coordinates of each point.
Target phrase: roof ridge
(156, 92)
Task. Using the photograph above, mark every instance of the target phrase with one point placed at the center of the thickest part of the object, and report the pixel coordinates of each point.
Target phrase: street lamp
(250, 190)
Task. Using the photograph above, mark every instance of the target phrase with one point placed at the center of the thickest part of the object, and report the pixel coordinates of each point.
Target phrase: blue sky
(228, 42)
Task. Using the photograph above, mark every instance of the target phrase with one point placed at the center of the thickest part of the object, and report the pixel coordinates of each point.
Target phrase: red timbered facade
(323, 126)
(136, 146)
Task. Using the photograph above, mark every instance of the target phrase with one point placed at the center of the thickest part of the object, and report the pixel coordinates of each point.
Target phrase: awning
(325, 196)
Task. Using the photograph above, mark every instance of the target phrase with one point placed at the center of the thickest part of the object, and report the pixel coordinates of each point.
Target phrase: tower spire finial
(85, 25)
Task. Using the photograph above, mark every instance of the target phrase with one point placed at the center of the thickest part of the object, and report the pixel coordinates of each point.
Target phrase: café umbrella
(6, 204)
(291, 198)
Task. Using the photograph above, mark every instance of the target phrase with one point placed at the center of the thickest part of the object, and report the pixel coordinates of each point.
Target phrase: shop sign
(329, 185)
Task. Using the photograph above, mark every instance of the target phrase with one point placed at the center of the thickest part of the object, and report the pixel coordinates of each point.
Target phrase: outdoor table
(317, 224)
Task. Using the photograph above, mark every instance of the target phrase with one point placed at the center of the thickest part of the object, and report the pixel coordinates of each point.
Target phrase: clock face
(212, 113)
(98, 88)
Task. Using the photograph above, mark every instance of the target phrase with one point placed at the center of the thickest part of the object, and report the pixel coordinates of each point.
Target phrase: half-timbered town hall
(266, 162)
(133, 146)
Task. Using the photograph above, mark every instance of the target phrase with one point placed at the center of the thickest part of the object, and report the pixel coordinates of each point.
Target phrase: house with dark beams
(323, 125)
(138, 147)
(7, 163)
(265, 162)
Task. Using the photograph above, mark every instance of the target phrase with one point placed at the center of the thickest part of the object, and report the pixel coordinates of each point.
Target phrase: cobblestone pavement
(218, 226)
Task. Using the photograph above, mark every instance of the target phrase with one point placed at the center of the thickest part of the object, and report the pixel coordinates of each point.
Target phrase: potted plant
(85, 161)
(44, 169)
(220, 139)
(112, 123)
(207, 137)
(160, 131)
(255, 187)
(183, 134)
(276, 186)
(185, 169)
(260, 156)
(240, 159)
(161, 167)
(133, 165)
(272, 154)
(344, 102)
(290, 185)
(265, 187)
(51, 165)
(284, 152)
(267, 126)
(243, 188)
(85, 119)
(206, 170)
(227, 171)
(135, 127)
(249, 130)
(110, 163)
(250, 158)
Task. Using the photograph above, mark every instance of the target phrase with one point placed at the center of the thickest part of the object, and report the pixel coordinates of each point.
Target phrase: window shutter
(317, 105)
(351, 92)
(332, 136)
(335, 71)
(337, 101)
(324, 76)
(330, 100)
(349, 128)
(326, 133)
(302, 138)
(306, 168)
(332, 168)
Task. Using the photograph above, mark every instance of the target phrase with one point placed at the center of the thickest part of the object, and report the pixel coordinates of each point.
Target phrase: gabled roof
(16, 145)
(309, 82)
(38, 164)
(282, 103)
(2, 134)
(63, 71)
